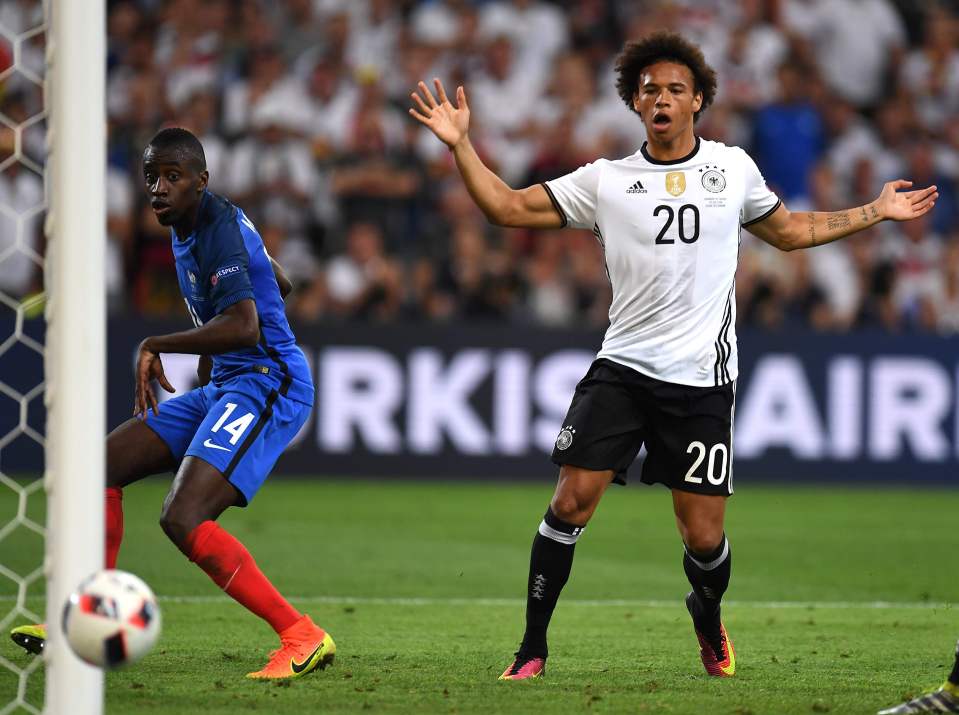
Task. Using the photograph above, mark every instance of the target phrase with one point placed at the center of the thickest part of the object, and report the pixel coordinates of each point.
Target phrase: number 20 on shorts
(717, 453)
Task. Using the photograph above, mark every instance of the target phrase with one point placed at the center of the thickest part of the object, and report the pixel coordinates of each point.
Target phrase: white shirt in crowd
(21, 191)
(853, 39)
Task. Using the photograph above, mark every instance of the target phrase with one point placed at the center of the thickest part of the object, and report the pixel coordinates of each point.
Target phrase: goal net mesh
(23, 205)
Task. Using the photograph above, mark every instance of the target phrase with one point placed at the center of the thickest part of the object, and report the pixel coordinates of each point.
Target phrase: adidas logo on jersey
(636, 188)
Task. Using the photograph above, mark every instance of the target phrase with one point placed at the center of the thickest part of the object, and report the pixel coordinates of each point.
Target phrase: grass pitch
(836, 603)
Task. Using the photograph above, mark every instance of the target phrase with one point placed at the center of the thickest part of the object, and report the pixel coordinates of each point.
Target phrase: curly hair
(663, 46)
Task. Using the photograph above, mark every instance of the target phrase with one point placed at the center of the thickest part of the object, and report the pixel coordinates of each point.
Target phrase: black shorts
(687, 430)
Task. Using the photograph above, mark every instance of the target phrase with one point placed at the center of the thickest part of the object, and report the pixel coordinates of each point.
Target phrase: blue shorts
(240, 427)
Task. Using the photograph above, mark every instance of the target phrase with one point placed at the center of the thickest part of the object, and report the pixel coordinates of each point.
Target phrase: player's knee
(571, 509)
(703, 539)
(178, 522)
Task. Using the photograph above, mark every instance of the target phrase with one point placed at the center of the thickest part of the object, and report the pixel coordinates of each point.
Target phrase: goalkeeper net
(52, 335)
(23, 114)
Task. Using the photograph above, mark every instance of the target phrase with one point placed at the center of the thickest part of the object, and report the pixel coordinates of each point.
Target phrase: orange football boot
(304, 647)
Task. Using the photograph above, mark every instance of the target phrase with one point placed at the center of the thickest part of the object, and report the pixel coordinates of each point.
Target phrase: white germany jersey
(670, 231)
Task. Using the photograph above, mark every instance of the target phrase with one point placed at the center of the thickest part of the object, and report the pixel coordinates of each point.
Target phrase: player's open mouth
(661, 121)
(159, 207)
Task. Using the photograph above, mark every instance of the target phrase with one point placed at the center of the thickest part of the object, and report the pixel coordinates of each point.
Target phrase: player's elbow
(784, 239)
(494, 220)
(786, 244)
(249, 332)
(793, 236)
(498, 216)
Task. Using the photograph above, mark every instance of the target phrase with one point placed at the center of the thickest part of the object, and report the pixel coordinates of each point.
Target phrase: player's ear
(636, 102)
(204, 180)
(697, 102)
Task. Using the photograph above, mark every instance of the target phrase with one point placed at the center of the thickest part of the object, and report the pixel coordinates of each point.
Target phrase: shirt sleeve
(759, 202)
(574, 195)
(227, 267)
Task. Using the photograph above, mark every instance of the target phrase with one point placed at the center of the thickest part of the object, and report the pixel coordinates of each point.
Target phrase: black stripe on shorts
(261, 421)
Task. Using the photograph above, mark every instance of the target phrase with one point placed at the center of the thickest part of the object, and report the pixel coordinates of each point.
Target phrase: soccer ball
(112, 619)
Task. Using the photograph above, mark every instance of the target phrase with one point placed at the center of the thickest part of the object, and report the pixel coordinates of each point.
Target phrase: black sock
(708, 574)
(954, 675)
(549, 565)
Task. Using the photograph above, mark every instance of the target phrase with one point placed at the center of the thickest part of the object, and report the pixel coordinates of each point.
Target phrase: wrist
(876, 211)
(460, 143)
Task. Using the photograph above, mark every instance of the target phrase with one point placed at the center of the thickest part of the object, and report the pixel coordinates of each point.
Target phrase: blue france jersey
(223, 262)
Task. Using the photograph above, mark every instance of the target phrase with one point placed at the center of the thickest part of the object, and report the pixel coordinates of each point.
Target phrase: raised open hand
(447, 122)
(904, 205)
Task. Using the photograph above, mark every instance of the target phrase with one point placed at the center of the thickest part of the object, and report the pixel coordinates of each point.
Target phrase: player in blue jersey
(223, 438)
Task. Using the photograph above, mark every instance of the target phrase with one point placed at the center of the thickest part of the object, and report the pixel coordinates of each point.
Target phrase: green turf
(349, 553)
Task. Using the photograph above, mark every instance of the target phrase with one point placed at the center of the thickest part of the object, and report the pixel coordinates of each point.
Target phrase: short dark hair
(663, 46)
(181, 142)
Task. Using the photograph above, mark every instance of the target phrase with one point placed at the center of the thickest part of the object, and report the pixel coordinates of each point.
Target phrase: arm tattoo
(837, 220)
(865, 218)
(812, 229)
(875, 211)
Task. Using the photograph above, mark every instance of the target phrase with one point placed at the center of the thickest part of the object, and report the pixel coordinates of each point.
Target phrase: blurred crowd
(301, 106)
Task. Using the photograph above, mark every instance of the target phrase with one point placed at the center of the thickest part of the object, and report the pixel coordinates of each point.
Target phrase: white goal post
(75, 355)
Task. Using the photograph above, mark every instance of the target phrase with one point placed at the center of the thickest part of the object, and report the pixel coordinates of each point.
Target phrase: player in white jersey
(668, 218)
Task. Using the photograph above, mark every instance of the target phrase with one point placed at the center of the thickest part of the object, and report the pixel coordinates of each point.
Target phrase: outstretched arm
(788, 231)
(503, 206)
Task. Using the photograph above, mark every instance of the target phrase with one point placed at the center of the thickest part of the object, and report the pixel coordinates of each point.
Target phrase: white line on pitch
(588, 603)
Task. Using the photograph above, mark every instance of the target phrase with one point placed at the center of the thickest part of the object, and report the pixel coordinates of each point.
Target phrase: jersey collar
(201, 219)
(651, 160)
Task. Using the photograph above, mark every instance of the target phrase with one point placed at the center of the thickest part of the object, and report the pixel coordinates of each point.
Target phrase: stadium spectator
(271, 172)
(832, 265)
(21, 190)
(363, 282)
(119, 208)
(437, 24)
(550, 299)
(792, 120)
(505, 95)
(895, 125)
(930, 73)
(747, 50)
(268, 84)
(374, 41)
(590, 284)
(472, 280)
(299, 26)
(379, 178)
(921, 158)
(537, 29)
(859, 44)
(916, 252)
(198, 111)
(947, 301)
